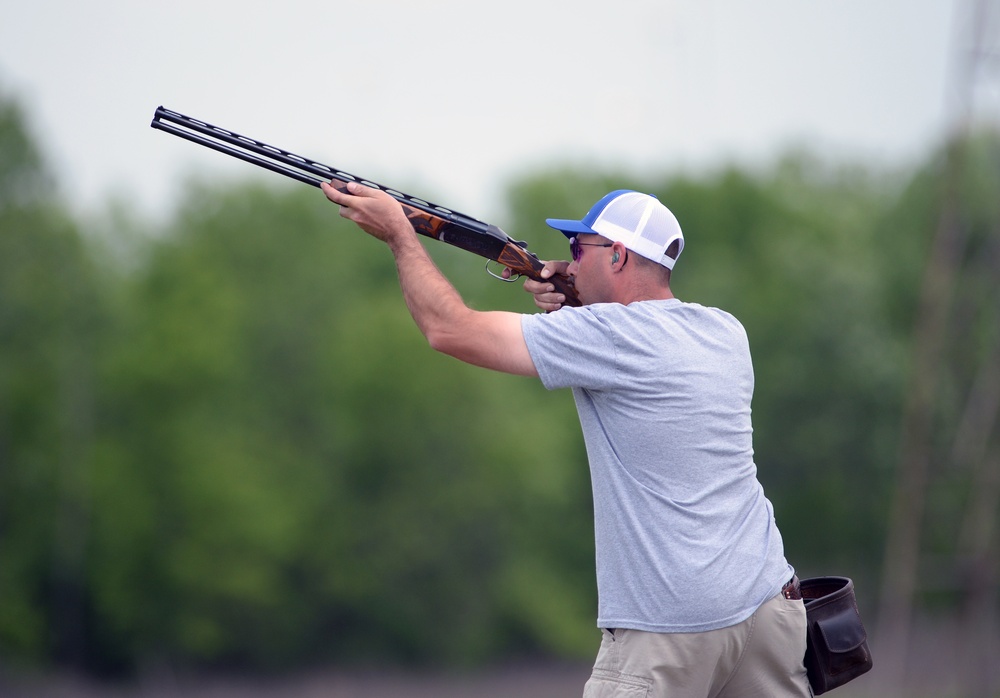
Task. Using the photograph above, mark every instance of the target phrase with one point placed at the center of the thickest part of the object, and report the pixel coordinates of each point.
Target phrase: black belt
(791, 590)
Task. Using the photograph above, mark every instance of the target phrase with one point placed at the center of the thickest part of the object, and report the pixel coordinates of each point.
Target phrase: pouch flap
(843, 632)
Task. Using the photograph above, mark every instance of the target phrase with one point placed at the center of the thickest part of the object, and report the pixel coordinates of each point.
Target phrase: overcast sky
(450, 99)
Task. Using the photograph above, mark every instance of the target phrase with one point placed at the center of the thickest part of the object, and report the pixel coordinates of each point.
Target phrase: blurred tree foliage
(234, 448)
(52, 322)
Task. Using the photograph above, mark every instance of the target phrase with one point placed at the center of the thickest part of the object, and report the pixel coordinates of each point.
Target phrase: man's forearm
(431, 299)
(491, 340)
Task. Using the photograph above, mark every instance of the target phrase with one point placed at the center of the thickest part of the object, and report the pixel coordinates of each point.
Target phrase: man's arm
(488, 339)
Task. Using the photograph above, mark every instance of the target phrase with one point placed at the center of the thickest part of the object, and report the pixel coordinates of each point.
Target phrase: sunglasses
(575, 245)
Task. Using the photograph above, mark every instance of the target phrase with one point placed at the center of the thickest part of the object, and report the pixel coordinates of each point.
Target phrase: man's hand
(545, 294)
(375, 212)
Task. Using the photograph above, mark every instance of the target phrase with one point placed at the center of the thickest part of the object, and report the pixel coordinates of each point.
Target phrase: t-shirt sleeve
(571, 348)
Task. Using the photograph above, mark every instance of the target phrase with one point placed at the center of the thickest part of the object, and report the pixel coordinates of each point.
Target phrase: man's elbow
(450, 336)
(457, 346)
(441, 341)
(491, 341)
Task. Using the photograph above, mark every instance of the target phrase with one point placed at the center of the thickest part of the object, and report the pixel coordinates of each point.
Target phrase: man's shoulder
(618, 315)
(696, 311)
(670, 307)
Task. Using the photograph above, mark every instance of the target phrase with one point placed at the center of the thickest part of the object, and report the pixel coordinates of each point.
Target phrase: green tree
(51, 312)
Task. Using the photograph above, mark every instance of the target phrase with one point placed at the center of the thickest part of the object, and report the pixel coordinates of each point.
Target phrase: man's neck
(637, 291)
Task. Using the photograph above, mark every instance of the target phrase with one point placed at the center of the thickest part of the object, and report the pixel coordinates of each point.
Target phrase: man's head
(638, 221)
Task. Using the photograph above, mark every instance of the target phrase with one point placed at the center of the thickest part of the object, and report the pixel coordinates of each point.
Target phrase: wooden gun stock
(427, 219)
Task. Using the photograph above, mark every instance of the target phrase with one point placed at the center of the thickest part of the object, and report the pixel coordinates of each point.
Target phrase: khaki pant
(760, 657)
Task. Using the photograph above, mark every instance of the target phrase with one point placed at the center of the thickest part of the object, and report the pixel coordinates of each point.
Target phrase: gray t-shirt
(685, 539)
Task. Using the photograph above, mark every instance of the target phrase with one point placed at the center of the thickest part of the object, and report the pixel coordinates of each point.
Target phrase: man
(696, 598)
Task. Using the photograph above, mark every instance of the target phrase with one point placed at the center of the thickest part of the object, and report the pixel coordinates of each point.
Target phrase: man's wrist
(403, 240)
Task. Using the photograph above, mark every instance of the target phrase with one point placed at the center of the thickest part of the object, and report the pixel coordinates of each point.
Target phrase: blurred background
(230, 465)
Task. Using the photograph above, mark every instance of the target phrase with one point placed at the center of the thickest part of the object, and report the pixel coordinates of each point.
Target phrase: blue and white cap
(638, 221)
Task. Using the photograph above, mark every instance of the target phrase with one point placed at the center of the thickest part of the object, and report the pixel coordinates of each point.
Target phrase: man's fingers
(361, 190)
(550, 301)
(544, 294)
(551, 268)
(536, 287)
(547, 307)
(335, 195)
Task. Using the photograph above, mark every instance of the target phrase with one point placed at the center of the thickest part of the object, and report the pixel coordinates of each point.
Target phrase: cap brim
(569, 228)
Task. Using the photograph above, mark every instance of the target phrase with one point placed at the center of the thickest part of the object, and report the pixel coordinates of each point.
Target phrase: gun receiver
(427, 218)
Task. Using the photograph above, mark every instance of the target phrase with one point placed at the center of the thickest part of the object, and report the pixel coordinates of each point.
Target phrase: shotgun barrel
(429, 219)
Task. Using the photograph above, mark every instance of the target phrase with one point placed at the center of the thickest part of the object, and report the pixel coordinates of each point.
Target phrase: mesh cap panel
(642, 224)
(638, 221)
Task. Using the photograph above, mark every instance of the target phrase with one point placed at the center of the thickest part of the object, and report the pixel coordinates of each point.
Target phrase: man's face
(591, 268)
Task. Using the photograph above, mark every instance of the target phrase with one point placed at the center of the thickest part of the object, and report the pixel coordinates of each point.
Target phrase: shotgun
(428, 219)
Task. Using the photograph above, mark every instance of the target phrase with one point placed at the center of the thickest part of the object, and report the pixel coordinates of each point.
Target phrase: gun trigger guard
(511, 279)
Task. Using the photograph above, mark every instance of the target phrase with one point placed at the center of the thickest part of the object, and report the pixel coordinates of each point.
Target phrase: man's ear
(620, 251)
